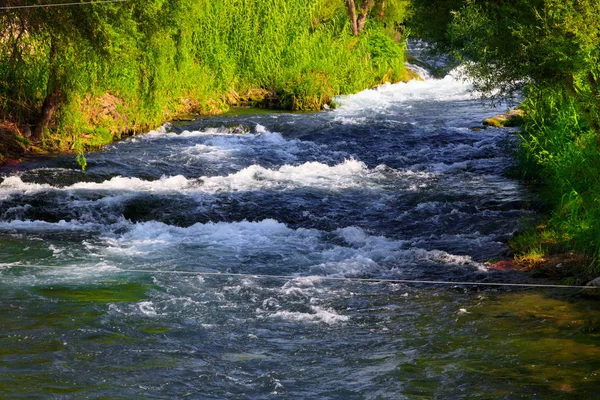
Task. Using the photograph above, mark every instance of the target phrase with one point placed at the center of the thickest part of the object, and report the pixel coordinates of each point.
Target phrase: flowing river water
(394, 183)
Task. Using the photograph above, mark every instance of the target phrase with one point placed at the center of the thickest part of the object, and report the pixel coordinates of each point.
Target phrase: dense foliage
(80, 75)
(549, 52)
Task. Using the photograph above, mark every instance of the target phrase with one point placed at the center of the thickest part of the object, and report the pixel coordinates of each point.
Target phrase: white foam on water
(217, 146)
(229, 141)
(119, 183)
(214, 231)
(14, 184)
(205, 152)
(348, 174)
(153, 237)
(274, 246)
(303, 282)
(358, 266)
(223, 135)
(43, 226)
(450, 88)
(266, 246)
(347, 120)
(221, 143)
(260, 129)
(319, 314)
(147, 308)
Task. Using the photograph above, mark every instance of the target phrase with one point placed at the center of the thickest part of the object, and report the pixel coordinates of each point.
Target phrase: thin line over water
(329, 278)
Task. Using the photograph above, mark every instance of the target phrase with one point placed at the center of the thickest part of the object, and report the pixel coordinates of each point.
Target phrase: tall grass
(559, 149)
(129, 66)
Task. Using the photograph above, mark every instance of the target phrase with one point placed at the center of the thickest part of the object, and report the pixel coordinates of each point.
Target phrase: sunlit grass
(559, 149)
(157, 60)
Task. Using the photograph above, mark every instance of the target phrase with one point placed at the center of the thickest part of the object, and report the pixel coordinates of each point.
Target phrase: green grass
(559, 150)
(127, 67)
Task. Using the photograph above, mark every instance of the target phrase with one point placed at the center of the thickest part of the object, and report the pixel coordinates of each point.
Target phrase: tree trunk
(358, 21)
(352, 15)
(51, 103)
(362, 18)
(52, 100)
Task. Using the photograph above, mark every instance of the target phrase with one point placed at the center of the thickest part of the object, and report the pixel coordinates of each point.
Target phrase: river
(102, 293)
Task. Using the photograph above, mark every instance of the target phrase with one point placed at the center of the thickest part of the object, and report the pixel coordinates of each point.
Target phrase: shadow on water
(525, 344)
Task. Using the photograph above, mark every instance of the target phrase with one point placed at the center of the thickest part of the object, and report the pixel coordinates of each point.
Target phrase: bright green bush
(559, 149)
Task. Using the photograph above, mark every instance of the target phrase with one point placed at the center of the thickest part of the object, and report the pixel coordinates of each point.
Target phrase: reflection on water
(305, 338)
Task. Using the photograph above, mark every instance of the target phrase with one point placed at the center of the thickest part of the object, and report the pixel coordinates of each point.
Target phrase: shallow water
(392, 184)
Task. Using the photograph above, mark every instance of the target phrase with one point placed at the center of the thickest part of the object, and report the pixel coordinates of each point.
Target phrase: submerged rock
(509, 119)
(594, 282)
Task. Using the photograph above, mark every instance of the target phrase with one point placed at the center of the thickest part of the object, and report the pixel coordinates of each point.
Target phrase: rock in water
(509, 119)
(595, 282)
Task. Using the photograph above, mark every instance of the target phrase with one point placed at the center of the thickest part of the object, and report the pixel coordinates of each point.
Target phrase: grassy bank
(559, 155)
(78, 77)
(547, 52)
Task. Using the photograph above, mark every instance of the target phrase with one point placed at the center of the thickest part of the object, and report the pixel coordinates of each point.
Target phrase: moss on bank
(511, 118)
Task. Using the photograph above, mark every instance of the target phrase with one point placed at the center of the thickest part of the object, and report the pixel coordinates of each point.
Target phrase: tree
(511, 44)
(358, 19)
(381, 10)
(51, 52)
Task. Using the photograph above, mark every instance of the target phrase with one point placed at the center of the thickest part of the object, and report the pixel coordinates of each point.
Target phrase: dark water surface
(392, 184)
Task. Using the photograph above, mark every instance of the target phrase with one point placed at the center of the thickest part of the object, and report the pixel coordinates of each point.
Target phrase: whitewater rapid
(395, 183)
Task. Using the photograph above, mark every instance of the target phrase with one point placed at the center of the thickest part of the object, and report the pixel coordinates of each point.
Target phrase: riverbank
(16, 143)
(75, 78)
(538, 252)
(509, 50)
(540, 249)
(544, 248)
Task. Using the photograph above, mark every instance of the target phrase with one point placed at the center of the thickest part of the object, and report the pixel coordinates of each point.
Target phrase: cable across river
(332, 278)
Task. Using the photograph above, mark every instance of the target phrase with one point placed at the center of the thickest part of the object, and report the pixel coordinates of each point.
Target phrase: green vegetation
(109, 292)
(76, 77)
(549, 52)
